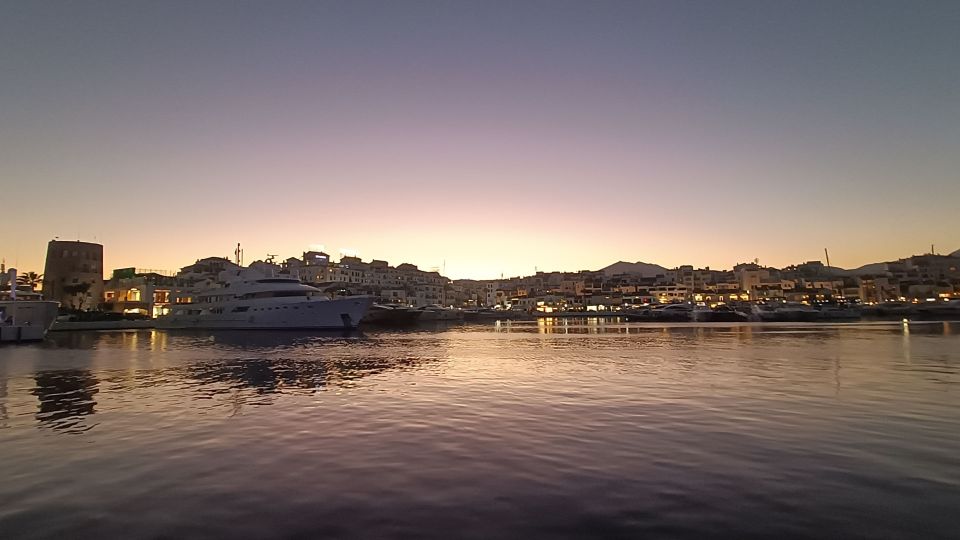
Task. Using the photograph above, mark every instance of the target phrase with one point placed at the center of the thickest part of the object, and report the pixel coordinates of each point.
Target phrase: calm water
(570, 430)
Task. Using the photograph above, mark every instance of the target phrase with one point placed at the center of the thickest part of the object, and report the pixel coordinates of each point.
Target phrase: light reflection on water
(550, 428)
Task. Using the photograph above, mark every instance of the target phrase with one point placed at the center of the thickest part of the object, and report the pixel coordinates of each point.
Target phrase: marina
(536, 270)
(315, 292)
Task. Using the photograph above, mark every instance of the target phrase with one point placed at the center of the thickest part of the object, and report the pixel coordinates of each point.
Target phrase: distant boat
(784, 312)
(839, 313)
(250, 300)
(25, 315)
(889, 310)
(721, 313)
(479, 314)
(388, 315)
(439, 313)
(666, 313)
(939, 310)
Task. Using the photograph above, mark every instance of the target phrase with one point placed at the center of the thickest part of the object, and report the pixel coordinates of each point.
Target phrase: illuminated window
(133, 295)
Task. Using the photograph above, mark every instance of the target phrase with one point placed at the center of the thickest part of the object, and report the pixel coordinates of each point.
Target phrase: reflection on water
(270, 376)
(65, 398)
(557, 428)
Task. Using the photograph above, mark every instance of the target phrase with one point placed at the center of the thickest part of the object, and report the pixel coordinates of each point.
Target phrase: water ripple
(560, 429)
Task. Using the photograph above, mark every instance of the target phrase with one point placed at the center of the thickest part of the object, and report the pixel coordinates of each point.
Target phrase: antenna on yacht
(13, 284)
(827, 253)
(239, 254)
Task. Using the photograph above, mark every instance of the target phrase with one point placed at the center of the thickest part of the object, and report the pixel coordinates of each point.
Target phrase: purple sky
(481, 137)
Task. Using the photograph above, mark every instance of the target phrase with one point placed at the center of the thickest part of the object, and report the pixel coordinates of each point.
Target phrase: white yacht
(245, 299)
(24, 315)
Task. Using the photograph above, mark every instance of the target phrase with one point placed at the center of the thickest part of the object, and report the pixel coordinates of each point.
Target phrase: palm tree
(30, 279)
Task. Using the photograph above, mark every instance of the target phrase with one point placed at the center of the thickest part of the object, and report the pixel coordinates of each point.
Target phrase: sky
(481, 138)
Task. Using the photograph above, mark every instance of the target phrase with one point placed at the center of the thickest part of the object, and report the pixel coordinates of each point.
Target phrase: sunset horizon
(447, 267)
(495, 138)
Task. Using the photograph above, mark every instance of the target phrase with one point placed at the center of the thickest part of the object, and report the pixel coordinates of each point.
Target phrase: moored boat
(665, 313)
(721, 313)
(246, 299)
(24, 315)
(390, 315)
(435, 313)
(949, 310)
(784, 312)
(838, 313)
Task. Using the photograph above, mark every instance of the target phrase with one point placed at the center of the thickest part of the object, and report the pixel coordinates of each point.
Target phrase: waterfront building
(139, 291)
(313, 267)
(572, 287)
(73, 274)
(201, 275)
(878, 289)
(394, 296)
(667, 294)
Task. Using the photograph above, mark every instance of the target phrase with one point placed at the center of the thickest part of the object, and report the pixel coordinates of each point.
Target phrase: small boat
(667, 313)
(885, 310)
(25, 315)
(796, 312)
(484, 314)
(949, 310)
(784, 312)
(721, 313)
(829, 313)
(388, 315)
(434, 312)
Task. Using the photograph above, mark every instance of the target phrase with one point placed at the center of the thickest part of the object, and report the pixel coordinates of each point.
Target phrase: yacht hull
(31, 319)
(338, 313)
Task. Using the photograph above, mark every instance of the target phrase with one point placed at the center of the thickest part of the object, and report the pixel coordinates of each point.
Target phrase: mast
(13, 283)
(827, 254)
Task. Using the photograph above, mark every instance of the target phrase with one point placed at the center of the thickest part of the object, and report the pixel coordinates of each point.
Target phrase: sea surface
(557, 429)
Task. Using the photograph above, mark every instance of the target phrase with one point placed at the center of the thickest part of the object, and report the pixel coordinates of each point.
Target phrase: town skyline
(113, 261)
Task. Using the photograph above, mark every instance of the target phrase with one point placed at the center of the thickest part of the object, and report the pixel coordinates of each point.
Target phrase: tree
(79, 291)
(30, 279)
